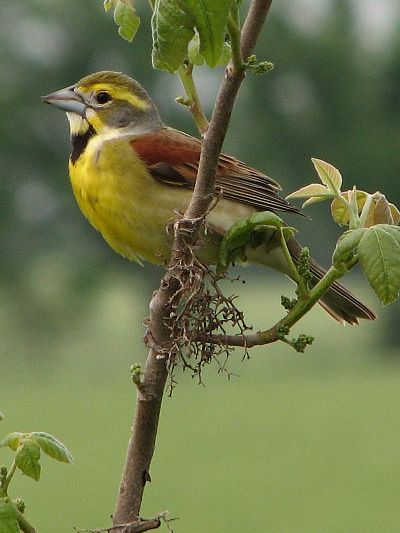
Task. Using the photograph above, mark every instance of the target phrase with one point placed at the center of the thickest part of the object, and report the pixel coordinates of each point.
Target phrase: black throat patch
(79, 143)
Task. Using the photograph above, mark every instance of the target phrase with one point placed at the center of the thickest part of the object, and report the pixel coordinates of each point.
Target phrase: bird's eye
(102, 97)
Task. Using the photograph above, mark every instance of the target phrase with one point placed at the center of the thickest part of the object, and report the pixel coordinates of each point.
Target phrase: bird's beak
(67, 100)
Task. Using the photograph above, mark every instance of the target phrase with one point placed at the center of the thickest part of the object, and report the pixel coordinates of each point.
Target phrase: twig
(141, 445)
(234, 32)
(137, 526)
(273, 334)
(193, 103)
(24, 524)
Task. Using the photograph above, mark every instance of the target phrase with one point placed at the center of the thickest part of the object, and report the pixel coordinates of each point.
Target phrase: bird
(131, 174)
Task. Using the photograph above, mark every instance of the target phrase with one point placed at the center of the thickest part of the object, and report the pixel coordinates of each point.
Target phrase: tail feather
(339, 302)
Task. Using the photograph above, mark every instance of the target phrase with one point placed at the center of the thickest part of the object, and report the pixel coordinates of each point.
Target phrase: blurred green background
(296, 443)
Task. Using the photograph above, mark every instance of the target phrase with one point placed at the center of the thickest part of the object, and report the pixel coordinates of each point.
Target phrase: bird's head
(106, 101)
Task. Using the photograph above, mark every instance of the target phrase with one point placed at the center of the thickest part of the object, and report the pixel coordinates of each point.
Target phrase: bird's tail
(339, 302)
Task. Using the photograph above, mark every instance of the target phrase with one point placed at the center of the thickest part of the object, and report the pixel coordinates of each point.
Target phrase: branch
(274, 333)
(149, 397)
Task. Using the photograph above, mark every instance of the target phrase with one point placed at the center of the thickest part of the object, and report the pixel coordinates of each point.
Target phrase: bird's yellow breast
(121, 199)
(131, 209)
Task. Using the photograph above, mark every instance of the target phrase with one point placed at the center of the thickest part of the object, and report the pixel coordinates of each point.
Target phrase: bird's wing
(173, 158)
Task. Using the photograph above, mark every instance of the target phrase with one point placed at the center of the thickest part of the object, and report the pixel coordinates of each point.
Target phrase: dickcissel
(130, 174)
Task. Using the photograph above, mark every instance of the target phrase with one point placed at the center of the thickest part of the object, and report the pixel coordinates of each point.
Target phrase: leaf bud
(283, 331)
(20, 505)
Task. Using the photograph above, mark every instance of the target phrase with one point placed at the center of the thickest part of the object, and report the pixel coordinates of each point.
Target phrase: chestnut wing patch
(173, 158)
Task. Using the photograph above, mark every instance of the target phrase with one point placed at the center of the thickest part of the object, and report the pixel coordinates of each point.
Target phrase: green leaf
(126, 18)
(8, 518)
(52, 446)
(379, 256)
(242, 233)
(346, 248)
(211, 17)
(27, 458)
(328, 174)
(226, 54)
(12, 440)
(393, 230)
(172, 29)
(315, 192)
(175, 22)
(1, 416)
(314, 189)
(315, 200)
(194, 51)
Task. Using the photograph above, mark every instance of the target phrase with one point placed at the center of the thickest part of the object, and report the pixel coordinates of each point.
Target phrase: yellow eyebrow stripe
(117, 93)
